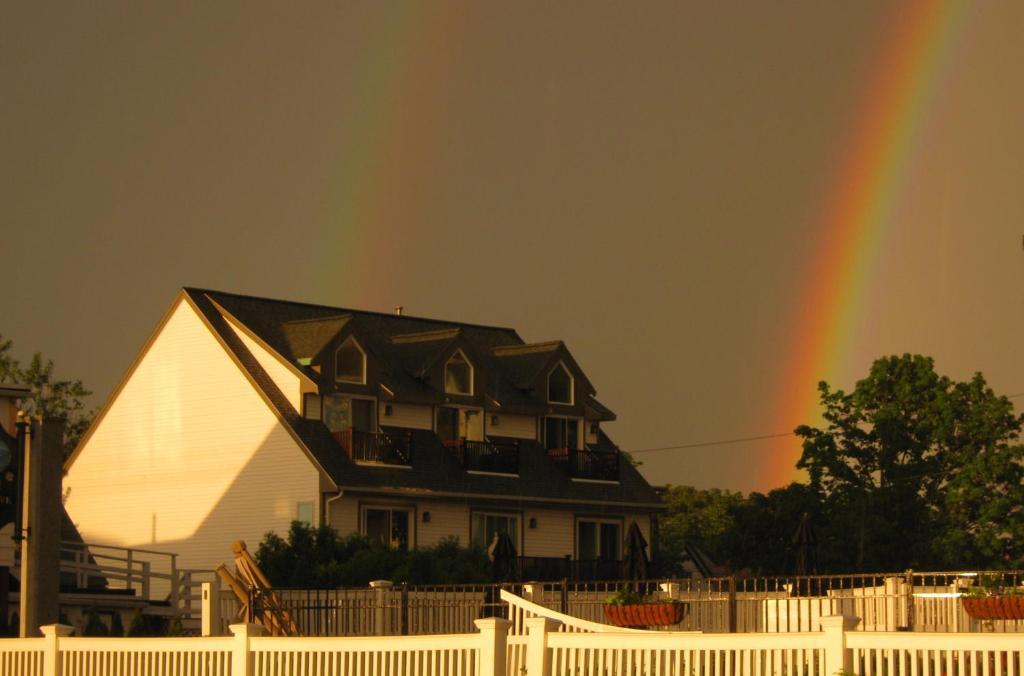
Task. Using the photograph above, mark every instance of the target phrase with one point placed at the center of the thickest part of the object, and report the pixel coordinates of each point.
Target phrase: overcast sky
(645, 181)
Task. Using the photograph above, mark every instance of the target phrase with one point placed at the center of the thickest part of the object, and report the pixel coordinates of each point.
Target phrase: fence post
(51, 648)
(211, 608)
(909, 596)
(175, 585)
(528, 592)
(731, 609)
(563, 605)
(241, 655)
(130, 565)
(381, 589)
(837, 658)
(404, 619)
(538, 657)
(493, 642)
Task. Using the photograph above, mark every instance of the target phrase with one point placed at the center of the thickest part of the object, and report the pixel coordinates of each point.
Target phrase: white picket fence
(545, 649)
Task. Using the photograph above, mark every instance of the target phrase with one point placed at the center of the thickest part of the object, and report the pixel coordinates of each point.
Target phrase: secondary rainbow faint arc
(872, 168)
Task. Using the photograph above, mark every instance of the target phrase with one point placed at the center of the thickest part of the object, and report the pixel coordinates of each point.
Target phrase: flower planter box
(645, 614)
(994, 607)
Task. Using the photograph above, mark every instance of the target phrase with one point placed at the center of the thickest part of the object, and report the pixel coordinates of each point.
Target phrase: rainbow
(873, 167)
(395, 90)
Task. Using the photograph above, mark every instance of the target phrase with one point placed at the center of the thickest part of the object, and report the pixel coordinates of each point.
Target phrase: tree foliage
(50, 396)
(910, 470)
(700, 517)
(319, 557)
(919, 470)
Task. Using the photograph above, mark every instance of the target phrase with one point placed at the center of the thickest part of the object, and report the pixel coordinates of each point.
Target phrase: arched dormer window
(350, 363)
(560, 385)
(458, 375)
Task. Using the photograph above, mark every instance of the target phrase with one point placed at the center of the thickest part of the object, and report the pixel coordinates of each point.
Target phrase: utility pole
(37, 528)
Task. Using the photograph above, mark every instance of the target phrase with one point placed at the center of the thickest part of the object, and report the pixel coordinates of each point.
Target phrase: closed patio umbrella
(503, 556)
(636, 561)
(805, 541)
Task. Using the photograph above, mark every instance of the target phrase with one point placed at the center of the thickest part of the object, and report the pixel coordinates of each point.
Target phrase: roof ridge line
(197, 289)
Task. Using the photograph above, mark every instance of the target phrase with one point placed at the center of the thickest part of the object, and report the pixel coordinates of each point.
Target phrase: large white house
(242, 414)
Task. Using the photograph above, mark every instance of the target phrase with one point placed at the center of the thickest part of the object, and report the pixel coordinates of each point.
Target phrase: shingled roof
(407, 346)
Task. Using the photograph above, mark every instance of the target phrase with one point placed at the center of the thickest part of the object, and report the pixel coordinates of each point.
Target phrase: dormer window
(560, 385)
(458, 375)
(350, 363)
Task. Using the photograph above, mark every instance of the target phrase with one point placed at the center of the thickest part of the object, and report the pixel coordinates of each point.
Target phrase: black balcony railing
(389, 449)
(486, 456)
(587, 463)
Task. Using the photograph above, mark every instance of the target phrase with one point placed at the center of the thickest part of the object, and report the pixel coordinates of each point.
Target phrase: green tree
(917, 470)
(761, 538)
(699, 517)
(50, 396)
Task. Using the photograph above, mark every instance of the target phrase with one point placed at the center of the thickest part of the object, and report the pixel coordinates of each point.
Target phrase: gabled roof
(405, 345)
(306, 338)
(527, 364)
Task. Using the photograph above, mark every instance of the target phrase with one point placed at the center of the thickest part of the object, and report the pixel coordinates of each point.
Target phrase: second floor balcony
(376, 447)
(587, 463)
(486, 456)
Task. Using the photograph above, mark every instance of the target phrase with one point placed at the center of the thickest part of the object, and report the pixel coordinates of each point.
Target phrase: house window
(486, 525)
(390, 526)
(560, 385)
(341, 413)
(458, 375)
(350, 363)
(598, 539)
(561, 432)
(459, 423)
(304, 512)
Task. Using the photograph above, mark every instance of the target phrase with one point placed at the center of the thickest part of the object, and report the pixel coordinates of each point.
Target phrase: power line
(725, 442)
(713, 443)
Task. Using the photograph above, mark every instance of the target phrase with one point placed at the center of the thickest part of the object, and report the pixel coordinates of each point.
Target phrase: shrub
(319, 557)
(93, 624)
(139, 626)
(116, 625)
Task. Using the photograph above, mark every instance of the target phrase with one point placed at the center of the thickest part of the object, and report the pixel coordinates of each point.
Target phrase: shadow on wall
(263, 496)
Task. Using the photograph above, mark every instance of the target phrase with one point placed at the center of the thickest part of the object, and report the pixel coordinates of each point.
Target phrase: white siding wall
(188, 457)
(446, 519)
(343, 515)
(553, 535)
(517, 426)
(413, 416)
(283, 377)
(555, 532)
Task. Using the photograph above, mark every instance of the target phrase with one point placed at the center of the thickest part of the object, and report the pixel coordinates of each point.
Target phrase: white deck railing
(148, 574)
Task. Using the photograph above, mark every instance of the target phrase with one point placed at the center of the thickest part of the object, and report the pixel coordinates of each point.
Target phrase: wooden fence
(544, 650)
